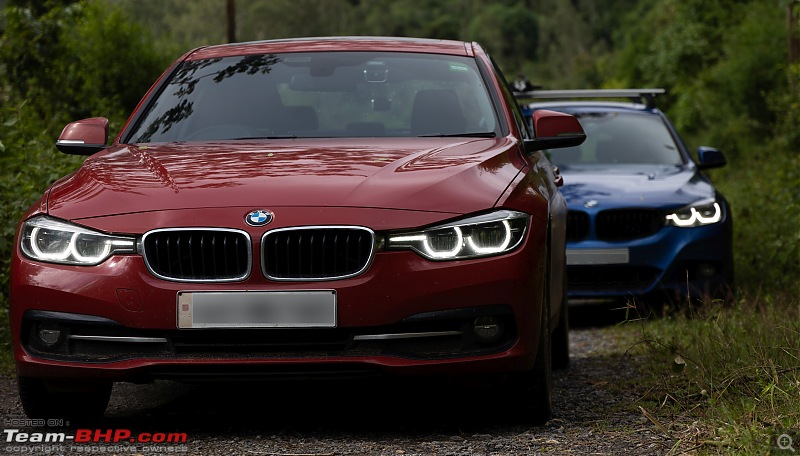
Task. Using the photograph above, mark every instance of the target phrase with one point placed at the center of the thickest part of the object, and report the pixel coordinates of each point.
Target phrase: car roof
(336, 43)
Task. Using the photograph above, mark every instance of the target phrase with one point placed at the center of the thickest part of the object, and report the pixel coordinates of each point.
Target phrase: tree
(509, 31)
(61, 61)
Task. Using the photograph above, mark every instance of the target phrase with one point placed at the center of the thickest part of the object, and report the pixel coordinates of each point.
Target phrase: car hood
(617, 186)
(426, 174)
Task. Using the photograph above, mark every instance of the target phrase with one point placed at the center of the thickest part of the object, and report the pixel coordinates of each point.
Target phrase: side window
(512, 101)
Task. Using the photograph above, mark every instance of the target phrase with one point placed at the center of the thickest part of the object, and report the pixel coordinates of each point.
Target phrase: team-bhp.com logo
(93, 436)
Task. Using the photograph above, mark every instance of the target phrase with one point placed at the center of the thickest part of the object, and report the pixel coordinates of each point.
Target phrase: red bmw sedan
(317, 206)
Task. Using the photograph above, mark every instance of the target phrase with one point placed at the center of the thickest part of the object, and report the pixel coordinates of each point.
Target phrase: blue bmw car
(644, 220)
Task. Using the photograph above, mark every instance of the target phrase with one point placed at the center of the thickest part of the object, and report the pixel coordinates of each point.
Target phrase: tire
(560, 339)
(42, 400)
(530, 393)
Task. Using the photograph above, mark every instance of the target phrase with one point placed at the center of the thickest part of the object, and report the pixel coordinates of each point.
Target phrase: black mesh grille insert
(198, 254)
(628, 223)
(577, 226)
(316, 253)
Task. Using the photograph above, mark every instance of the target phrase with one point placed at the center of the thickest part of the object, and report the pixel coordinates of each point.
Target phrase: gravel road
(594, 414)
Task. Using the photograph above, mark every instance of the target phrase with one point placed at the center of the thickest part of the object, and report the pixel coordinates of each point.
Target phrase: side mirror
(84, 137)
(710, 157)
(554, 130)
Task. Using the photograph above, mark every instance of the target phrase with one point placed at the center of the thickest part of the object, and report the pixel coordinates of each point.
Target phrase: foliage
(577, 40)
(61, 61)
(724, 66)
(716, 58)
(507, 28)
(77, 61)
(736, 368)
(766, 222)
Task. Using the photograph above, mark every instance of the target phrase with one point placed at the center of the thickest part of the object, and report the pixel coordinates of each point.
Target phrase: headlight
(473, 237)
(47, 239)
(703, 212)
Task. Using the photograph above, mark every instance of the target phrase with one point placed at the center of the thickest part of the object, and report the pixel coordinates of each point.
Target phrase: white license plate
(576, 257)
(257, 309)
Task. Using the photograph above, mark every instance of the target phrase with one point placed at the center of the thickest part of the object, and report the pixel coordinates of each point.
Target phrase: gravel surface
(595, 413)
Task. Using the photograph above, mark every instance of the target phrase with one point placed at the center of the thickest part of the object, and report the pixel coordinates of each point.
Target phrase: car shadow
(370, 405)
(355, 407)
(599, 315)
(612, 312)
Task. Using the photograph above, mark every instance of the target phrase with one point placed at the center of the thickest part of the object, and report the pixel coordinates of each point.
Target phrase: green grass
(6, 357)
(724, 378)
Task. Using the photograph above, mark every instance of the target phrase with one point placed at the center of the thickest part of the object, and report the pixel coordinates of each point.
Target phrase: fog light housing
(49, 336)
(487, 328)
(706, 270)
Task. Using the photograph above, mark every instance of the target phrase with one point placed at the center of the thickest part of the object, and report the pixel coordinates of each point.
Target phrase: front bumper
(117, 321)
(674, 262)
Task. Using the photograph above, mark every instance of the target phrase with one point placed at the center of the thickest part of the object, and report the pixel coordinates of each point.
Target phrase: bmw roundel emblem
(591, 203)
(258, 217)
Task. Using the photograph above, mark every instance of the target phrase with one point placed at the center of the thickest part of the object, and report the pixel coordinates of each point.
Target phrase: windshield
(320, 95)
(620, 138)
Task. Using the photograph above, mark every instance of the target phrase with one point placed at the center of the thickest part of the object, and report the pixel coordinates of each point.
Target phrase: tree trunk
(230, 10)
(792, 33)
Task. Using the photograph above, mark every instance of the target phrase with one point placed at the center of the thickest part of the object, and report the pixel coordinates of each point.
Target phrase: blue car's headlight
(701, 213)
(474, 237)
(47, 239)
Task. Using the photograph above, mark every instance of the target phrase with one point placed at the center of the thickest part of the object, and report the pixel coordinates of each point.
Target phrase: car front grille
(624, 224)
(577, 226)
(198, 254)
(316, 253)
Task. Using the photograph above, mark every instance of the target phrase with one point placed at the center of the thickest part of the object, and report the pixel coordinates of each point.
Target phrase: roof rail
(644, 96)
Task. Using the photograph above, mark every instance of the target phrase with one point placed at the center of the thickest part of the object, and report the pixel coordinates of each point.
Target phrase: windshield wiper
(486, 134)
